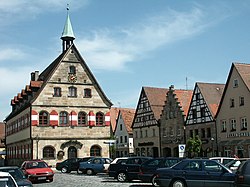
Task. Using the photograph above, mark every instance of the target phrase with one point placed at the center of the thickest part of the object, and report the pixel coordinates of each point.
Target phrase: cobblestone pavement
(100, 180)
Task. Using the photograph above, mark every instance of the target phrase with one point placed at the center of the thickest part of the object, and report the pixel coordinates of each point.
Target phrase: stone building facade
(172, 121)
(62, 113)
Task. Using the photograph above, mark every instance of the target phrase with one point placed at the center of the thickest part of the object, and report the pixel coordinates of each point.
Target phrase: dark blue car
(95, 165)
(195, 173)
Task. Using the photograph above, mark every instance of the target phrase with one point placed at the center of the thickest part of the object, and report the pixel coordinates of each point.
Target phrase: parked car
(37, 170)
(148, 168)
(95, 165)
(195, 173)
(119, 159)
(7, 180)
(71, 164)
(18, 175)
(223, 160)
(127, 171)
(243, 174)
(234, 164)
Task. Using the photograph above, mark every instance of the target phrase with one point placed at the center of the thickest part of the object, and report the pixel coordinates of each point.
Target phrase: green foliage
(193, 146)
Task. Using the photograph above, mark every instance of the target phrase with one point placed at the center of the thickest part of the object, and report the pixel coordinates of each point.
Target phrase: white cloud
(111, 50)
(23, 9)
(11, 54)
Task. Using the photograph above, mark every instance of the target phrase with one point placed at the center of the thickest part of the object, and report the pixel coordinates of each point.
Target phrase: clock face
(72, 78)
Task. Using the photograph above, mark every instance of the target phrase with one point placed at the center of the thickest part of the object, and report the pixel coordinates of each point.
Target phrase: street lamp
(37, 140)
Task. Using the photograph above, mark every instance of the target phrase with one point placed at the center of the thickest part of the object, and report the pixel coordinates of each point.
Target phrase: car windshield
(6, 182)
(16, 173)
(32, 165)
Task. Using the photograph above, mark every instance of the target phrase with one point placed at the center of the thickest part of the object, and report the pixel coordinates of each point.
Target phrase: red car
(37, 170)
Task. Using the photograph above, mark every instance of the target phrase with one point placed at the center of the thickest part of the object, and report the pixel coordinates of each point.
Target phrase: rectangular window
(203, 112)
(136, 134)
(191, 133)
(57, 92)
(196, 132)
(242, 101)
(208, 133)
(153, 132)
(121, 139)
(125, 139)
(203, 133)
(233, 124)
(120, 127)
(223, 126)
(194, 112)
(231, 102)
(235, 83)
(243, 123)
(87, 93)
(72, 92)
(141, 134)
(146, 133)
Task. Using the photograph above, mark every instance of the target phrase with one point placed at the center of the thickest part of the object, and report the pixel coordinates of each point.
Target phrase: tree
(193, 146)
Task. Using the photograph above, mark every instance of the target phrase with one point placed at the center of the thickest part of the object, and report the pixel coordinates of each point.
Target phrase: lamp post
(37, 140)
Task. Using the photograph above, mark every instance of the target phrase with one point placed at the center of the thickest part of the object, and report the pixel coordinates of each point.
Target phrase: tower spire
(68, 34)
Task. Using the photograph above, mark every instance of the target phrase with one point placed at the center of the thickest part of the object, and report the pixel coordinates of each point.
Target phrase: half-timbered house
(201, 115)
(146, 121)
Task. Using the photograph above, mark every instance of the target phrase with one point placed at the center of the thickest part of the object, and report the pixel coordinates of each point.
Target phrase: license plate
(41, 178)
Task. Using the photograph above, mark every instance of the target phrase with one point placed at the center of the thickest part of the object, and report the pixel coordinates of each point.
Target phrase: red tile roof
(156, 98)
(184, 97)
(212, 93)
(128, 117)
(114, 111)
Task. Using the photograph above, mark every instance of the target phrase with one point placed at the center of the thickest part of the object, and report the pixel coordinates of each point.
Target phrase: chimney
(34, 76)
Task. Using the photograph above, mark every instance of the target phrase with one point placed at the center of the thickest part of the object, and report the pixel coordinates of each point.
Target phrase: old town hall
(62, 113)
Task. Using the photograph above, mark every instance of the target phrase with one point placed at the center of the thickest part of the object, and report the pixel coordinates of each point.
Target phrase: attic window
(72, 69)
(235, 83)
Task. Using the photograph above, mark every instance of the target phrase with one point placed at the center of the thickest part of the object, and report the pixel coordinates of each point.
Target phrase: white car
(6, 180)
(222, 160)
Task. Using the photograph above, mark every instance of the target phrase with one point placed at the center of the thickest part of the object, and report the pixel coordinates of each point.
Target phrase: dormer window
(72, 69)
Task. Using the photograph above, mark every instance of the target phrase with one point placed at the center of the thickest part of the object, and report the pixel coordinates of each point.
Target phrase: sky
(126, 44)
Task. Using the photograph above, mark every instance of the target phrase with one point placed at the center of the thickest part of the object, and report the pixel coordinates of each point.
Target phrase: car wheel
(89, 172)
(64, 170)
(178, 183)
(121, 177)
(153, 181)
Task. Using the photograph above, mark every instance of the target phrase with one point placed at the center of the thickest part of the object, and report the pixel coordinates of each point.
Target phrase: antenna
(186, 83)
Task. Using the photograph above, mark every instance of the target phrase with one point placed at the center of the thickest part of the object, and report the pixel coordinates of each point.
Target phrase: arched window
(63, 118)
(43, 118)
(72, 91)
(99, 118)
(49, 152)
(82, 119)
(95, 150)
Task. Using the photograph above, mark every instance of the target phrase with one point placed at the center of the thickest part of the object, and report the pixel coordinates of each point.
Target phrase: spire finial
(68, 7)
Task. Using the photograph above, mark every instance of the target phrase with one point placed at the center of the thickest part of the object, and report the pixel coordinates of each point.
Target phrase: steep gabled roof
(212, 93)
(156, 98)
(114, 111)
(184, 97)
(244, 72)
(128, 117)
(48, 72)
